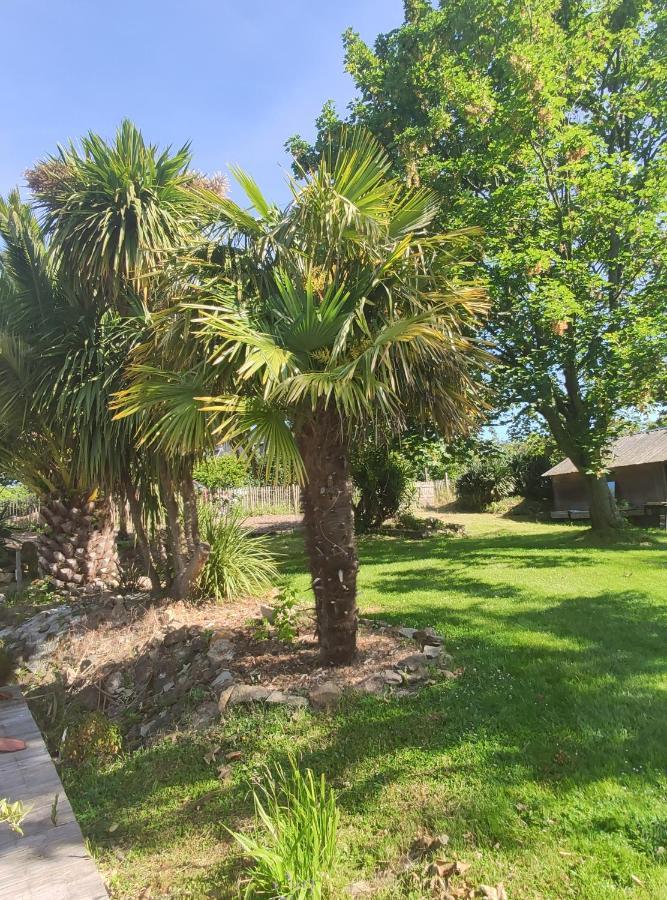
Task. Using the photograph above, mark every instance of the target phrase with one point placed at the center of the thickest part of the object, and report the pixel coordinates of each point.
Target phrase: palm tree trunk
(141, 536)
(79, 547)
(187, 561)
(330, 541)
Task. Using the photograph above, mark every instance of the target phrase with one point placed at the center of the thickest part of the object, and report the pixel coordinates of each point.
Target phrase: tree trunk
(330, 542)
(79, 548)
(602, 505)
(188, 553)
(122, 516)
(142, 537)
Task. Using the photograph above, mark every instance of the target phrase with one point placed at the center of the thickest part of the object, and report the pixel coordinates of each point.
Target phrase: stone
(247, 693)
(277, 697)
(413, 663)
(222, 681)
(205, 713)
(325, 695)
(406, 632)
(431, 651)
(374, 684)
(267, 612)
(176, 636)
(113, 683)
(144, 583)
(296, 701)
(391, 677)
(427, 636)
(221, 650)
(224, 698)
(89, 697)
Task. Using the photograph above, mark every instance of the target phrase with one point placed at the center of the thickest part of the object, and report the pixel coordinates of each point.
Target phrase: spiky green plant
(240, 564)
(342, 310)
(294, 849)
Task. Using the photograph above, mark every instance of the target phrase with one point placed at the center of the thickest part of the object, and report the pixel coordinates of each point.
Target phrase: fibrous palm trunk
(188, 553)
(79, 547)
(330, 541)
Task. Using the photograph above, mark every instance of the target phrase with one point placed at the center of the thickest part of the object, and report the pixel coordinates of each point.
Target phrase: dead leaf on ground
(224, 773)
(233, 755)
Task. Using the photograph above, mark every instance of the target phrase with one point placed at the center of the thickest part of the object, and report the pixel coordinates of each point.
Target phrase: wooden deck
(50, 862)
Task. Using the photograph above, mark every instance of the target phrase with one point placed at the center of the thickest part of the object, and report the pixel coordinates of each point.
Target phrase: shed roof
(629, 450)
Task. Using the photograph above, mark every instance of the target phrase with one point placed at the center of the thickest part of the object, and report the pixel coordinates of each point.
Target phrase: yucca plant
(294, 849)
(239, 564)
(115, 213)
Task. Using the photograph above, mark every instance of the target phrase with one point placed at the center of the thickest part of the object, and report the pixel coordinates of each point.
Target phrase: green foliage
(528, 460)
(384, 485)
(550, 135)
(221, 472)
(295, 849)
(411, 522)
(285, 611)
(13, 814)
(15, 492)
(93, 738)
(486, 480)
(239, 564)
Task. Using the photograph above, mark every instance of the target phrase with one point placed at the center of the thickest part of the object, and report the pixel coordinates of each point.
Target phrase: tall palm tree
(53, 437)
(115, 214)
(337, 312)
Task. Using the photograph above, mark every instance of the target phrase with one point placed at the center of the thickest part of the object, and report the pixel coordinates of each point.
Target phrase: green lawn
(545, 763)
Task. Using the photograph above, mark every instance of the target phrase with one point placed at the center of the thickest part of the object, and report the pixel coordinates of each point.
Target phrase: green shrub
(410, 522)
(384, 486)
(294, 850)
(528, 460)
(486, 480)
(92, 738)
(222, 472)
(239, 564)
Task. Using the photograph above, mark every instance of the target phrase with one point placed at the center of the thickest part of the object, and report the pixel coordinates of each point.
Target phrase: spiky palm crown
(342, 298)
(79, 289)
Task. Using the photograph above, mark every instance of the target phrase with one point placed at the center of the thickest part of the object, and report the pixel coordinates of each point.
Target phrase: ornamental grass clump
(294, 849)
(239, 564)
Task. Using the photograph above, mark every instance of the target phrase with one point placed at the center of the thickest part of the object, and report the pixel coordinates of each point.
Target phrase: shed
(637, 476)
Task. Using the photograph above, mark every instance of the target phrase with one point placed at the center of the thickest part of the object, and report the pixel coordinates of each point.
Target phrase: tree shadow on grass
(562, 697)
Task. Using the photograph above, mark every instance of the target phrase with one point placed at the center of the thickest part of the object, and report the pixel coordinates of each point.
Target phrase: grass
(545, 763)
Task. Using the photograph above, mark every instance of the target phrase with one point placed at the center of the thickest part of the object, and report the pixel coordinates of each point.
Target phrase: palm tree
(321, 319)
(55, 439)
(115, 214)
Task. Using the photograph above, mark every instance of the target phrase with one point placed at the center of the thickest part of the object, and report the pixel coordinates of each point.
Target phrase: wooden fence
(27, 508)
(258, 500)
(286, 499)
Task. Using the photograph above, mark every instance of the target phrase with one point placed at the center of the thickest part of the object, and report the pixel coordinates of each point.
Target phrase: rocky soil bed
(159, 666)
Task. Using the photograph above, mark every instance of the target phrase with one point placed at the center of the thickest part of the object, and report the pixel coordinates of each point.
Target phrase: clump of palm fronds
(294, 848)
(239, 564)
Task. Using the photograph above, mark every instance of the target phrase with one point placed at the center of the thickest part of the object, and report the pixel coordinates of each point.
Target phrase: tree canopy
(545, 124)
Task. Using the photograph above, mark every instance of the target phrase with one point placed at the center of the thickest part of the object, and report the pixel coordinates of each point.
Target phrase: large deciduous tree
(545, 123)
(343, 309)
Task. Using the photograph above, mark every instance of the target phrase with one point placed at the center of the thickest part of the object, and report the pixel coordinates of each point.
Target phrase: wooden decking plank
(51, 861)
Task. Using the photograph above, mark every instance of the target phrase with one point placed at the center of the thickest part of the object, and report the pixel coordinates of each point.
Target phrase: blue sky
(235, 78)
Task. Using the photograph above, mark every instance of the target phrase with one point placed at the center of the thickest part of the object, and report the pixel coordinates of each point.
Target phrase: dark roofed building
(637, 476)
